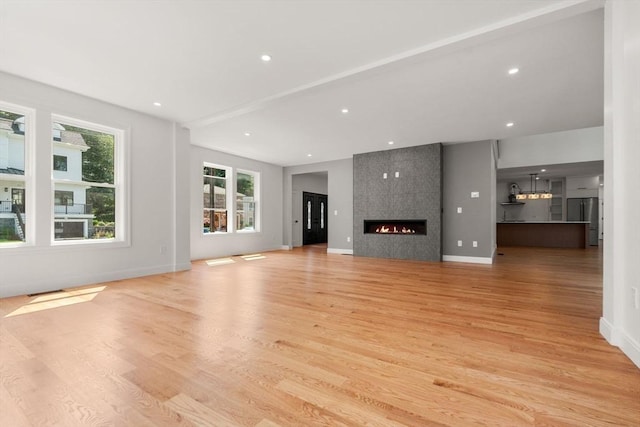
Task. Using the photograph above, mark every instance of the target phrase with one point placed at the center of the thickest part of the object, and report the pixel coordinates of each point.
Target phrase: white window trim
(120, 183)
(256, 198)
(229, 177)
(29, 176)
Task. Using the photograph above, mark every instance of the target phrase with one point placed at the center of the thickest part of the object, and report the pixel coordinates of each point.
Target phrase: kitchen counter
(549, 234)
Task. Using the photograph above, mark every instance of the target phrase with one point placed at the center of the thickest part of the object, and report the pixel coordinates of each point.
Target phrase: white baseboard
(606, 330)
(285, 248)
(48, 285)
(620, 339)
(340, 251)
(182, 267)
(469, 259)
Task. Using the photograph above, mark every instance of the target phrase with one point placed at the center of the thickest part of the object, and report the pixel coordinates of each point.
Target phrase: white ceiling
(414, 72)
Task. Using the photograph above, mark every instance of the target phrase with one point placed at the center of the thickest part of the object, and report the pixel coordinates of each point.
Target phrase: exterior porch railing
(6, 206)
(73, 209)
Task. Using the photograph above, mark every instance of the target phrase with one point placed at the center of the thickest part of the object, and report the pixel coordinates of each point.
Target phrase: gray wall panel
(468, 168)
(415, 194)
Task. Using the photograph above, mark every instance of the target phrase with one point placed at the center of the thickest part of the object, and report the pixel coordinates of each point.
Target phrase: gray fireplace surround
(396, 185)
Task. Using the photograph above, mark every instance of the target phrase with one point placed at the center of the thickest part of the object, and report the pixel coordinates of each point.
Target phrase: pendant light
(533, 193)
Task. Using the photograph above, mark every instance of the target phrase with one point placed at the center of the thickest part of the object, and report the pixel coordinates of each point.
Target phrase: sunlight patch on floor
(252, 257)
(58, 299)
(219, 261)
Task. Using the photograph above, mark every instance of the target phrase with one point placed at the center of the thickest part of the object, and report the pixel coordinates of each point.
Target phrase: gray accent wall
(468, 168)
(415, 194)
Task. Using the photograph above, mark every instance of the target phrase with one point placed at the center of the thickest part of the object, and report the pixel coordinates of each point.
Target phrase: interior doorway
(314, 218)
(316, 182)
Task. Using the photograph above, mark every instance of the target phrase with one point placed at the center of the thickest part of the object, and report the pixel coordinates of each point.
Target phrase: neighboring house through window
(88, 177)
(14, 185)
(86, 191)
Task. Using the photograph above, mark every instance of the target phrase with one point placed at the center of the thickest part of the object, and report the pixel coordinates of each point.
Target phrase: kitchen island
(546, 234)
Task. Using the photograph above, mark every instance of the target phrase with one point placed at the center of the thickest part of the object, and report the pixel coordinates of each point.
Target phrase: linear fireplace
(405, 227)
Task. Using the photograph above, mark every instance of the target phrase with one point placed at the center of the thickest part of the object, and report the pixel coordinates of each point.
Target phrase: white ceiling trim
(552, 13)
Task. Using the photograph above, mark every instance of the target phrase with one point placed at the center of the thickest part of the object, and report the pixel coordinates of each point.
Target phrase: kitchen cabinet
(557, 202)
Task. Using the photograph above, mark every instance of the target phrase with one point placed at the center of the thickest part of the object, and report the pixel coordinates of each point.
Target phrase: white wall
(573, 146)
(214, 245)
(153, 218)
(340, 202)
(620, 322)
(582, 186)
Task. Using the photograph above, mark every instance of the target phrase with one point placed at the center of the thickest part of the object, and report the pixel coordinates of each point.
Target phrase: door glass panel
(322, 215)
(309, 215)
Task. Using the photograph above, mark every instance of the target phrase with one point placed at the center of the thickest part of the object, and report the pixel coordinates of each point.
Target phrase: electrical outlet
(348, 239)
(475, 194)
(475, 244)
(335, 212)
(459, 210)
(459, 242)
(397, 174)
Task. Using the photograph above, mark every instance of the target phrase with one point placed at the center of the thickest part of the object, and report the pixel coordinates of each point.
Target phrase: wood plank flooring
(303, 338)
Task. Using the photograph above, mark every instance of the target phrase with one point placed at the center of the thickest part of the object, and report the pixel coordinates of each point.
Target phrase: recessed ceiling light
(344, 111)
(266, 58)
(543, 170)
(308, 155)
(157, 104)
(513, 70)
(247, 134)
(537, 177)
(390, 142)
(510, 124)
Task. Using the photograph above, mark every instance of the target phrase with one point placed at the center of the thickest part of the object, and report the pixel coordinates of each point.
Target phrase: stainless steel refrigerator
(585, 209)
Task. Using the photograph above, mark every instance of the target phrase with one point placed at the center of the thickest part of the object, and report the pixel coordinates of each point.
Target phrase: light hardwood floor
(304, 338)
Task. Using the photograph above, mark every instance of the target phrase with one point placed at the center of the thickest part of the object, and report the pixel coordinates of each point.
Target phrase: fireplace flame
(388, 230)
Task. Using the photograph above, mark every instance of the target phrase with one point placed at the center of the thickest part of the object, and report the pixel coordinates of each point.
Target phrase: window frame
(256, 199)
(30, 117)
(229, 199)
(65, 163)
(231, 177)
(120, 182)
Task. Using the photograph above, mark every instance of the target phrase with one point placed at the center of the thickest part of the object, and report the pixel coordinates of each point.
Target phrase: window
(59, 163)
(15, 143)
(246, 201)
(222, 211)
(64, 198)
(215, 203)
(89, 195)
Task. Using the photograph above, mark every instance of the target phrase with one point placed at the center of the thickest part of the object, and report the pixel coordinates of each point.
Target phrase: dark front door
(314, 218)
